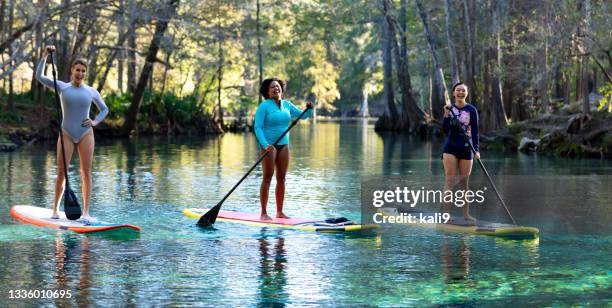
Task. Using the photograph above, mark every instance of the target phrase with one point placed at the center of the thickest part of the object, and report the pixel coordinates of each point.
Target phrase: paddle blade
(209, 217)
(71, 205)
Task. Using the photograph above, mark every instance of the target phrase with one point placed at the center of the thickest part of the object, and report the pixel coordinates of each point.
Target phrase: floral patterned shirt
(468, 119)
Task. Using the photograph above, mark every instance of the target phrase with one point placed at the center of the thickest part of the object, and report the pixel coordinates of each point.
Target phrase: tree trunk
(92, 58)
(11, 97)
(390, 116)
(412, 116)
(160, 28)
(593, 85)
(219, 68)
(558, 79)
(494, 117)
(87, 16)
(165, 74)
(15, 35)
(578, 86)
(451, 46)
(470, 76)
(131, 63)
(585, 58)
(120, 45)
(544, 62)
(63, 55)
(259, 54)
(37, 87)
(442, 97)
(508, 95)
(109, 61)
(566, 89)
(2, 10)
(430, 89)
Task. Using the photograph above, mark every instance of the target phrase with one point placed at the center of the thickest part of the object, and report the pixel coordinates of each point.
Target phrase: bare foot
(265, 216)
(281, 215)
(88, 220)
(55, 215)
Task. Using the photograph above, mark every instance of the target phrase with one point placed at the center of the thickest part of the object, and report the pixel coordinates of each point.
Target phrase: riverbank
(564, 134)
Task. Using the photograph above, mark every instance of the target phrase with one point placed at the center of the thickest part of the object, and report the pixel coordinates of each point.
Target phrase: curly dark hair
(265, 85)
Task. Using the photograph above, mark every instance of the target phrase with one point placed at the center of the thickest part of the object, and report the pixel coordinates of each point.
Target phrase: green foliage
(242, 105)
(11, 117)
(606, 91)
(168, 108)
(118, 104)
(4, 138)
(569, 150)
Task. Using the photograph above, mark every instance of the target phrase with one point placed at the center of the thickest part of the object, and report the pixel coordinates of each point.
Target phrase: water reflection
(72, 251)
(455, 259)
(272, 270)
(147, 181)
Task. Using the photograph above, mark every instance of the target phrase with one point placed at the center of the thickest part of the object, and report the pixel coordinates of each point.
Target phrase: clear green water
(149, 181)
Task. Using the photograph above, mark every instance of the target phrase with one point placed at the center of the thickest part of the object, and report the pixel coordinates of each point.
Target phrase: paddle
(462, 132)
(210, 217)
(71, 204)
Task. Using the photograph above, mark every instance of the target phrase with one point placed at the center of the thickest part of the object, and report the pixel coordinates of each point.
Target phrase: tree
(390, 117)
(160, 28)
(451, 46)
(11, 97)
(440, 95)
(493, 114)
(131, 51)
(413, 117)
(259, 53)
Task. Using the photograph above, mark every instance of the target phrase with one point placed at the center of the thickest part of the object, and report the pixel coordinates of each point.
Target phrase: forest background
(538, 71)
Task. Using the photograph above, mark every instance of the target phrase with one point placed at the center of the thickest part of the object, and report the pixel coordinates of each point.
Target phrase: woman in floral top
(457, 157)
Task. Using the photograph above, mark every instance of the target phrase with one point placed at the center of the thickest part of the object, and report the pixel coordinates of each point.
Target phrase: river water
(149, 180)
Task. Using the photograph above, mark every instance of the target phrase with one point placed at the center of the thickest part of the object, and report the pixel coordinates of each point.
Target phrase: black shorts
(464, 153)
(279, 147)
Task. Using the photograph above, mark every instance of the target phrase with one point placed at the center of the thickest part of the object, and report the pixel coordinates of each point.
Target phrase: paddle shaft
(482, 166)
(60, 119)
(263, 156)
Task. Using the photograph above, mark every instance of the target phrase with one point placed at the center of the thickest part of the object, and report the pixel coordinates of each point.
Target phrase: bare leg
(60, 180)
(450, 171)
(86, 149)
(282, 163)
(465, 169)
(268, 171)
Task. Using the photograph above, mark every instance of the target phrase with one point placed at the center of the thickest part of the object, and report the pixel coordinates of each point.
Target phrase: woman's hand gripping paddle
(71, 204)
(210, 217)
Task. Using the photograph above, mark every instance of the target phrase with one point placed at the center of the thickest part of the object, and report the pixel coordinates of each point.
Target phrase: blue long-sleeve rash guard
(271, 121)
(468, 117)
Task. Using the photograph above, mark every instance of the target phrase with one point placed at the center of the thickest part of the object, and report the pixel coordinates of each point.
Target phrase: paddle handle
(264, 155)
(482, 166)
(59, 117)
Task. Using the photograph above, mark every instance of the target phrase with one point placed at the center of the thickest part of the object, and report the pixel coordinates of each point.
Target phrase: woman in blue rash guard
(457, 157)
(272, 118)
(76, 98)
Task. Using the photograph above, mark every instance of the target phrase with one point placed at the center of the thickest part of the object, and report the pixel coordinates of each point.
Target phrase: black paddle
(462, 132)
(211, 216)
(71, 204)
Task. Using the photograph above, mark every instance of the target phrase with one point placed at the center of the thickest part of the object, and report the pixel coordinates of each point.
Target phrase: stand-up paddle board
(41, 217)
(478, 227)
(253, 219)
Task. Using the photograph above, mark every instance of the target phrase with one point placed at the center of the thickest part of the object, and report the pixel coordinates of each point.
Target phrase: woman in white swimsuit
(76, 99)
